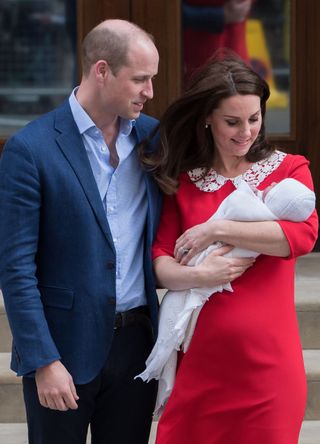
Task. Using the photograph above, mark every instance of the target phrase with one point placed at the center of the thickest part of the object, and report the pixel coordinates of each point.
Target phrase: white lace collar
(254, 175)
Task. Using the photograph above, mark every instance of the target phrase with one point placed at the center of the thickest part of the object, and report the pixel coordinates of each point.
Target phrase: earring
(206, 126)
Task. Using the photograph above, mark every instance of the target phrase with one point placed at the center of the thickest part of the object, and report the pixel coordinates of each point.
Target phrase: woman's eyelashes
(236, 122)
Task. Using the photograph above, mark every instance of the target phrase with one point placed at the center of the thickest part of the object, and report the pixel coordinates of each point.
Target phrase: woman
(242, 380)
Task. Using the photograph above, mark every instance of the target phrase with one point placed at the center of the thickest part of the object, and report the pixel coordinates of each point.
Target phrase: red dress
(242, 381)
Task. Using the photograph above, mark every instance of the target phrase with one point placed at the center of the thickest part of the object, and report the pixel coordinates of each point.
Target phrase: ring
(184, 251)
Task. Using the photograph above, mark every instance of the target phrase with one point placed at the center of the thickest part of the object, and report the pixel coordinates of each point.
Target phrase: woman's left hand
(194, 240)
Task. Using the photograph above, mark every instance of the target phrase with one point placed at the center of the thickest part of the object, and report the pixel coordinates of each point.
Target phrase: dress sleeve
(301, 236)
(169, 229)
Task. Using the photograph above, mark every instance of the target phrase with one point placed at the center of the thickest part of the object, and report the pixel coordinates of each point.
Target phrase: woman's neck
(231, 166)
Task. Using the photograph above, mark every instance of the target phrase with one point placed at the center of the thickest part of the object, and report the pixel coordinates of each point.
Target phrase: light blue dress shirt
(123, 194)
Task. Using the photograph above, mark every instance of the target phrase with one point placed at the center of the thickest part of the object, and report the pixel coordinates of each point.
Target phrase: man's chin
(137, 108)
(135, 115)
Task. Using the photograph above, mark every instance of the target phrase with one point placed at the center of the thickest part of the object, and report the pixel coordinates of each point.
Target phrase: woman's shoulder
(185, 180)
(291, 163)
(278, 163)
(295, 160)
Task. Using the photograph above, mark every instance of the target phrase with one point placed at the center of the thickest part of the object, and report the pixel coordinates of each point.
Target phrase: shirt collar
(84, 121)
(126, 126)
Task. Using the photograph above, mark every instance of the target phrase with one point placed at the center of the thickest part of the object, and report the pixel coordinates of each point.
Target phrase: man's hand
(55, 386)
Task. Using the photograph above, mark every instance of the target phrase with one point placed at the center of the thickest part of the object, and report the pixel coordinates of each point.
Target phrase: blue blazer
(57, 258)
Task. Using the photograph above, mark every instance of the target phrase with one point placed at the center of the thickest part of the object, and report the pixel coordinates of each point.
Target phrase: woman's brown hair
(184, 142)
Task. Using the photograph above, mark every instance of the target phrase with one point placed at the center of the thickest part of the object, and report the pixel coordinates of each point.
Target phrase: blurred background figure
(212, 24)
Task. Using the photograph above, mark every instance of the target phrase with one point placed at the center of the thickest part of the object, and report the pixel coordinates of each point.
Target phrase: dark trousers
(117, 407)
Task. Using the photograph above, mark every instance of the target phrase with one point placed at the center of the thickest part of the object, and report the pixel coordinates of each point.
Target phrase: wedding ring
(184, 251)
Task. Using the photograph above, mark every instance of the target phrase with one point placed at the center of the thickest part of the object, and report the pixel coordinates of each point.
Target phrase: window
(37, 58)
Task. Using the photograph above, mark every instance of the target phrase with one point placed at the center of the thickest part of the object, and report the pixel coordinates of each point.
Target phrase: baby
(179, 310)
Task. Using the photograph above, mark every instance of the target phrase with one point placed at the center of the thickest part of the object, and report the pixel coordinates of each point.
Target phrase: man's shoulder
(147, 119)
(147, 122)
(145, 125)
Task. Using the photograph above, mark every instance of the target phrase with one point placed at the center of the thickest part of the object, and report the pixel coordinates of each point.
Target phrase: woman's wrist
(216, 229)
(197, 276)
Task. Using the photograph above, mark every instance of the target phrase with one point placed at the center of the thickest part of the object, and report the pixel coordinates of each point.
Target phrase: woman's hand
(194, 240)
(216, 269)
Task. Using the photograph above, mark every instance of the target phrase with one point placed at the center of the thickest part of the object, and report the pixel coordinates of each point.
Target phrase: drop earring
(206, 126)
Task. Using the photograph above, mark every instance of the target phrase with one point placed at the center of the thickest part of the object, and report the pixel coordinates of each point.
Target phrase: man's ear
(102, 69)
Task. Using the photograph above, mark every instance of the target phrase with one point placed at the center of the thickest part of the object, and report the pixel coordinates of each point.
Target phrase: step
(17, 433)
(12, 407)
(308, 266)
(312, 367)
(307, 301)
(310, 432)
(11, 398)
(5, 335)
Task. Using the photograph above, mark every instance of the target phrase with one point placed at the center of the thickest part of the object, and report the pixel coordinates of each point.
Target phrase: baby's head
(290, 200)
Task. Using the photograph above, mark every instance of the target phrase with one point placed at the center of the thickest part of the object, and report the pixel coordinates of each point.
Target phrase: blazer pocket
(56, 297)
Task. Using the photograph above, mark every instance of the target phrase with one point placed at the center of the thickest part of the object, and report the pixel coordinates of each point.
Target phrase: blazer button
(110, 265)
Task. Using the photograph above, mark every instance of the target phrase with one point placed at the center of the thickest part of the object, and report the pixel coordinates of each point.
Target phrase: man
(78, 215)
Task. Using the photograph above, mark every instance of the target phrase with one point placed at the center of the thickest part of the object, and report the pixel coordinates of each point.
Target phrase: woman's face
(235, 124)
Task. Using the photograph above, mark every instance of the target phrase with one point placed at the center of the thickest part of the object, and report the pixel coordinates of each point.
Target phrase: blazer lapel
(70, 143)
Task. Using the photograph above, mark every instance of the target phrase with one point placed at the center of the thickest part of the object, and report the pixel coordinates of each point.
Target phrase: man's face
(131, 87)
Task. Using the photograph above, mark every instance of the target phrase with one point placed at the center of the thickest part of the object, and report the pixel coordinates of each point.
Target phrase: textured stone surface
(310, 432)
(11, 399)
(307, 300)
(308, 266)
(312, 366)
(11, 403)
